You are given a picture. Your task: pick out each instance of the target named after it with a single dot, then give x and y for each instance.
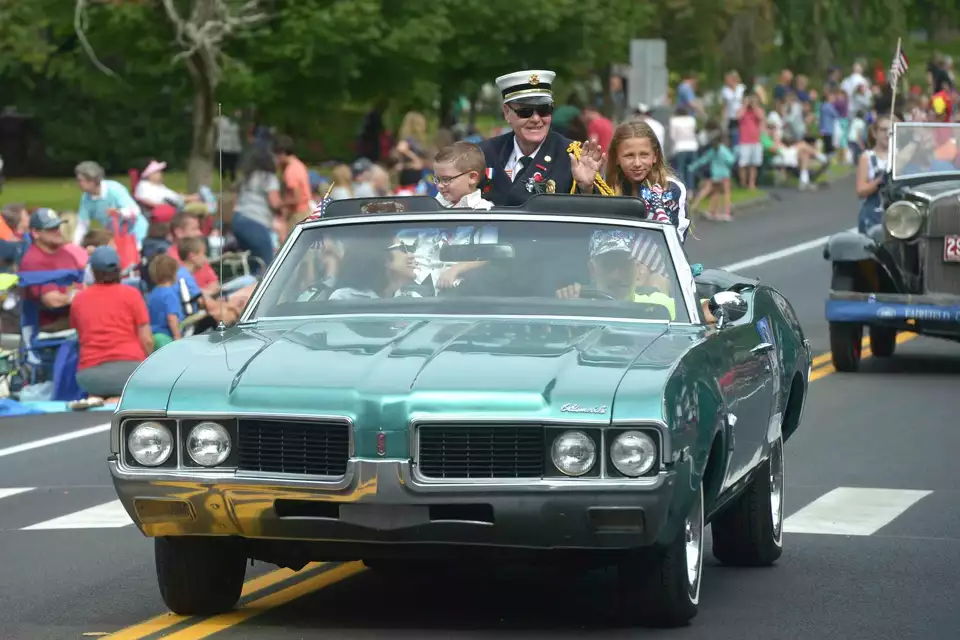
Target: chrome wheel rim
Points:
(776, 489)
(693, 536)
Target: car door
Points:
(744, 374)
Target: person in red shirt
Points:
(599, 128)
(187, 225)
(49, 252)
(113, 328)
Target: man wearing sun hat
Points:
(531, 158)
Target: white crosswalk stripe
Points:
(6, 493)
(843, 511)
(852, 512)
(103, 516)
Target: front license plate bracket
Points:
(384, 517)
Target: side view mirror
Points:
(727, 306)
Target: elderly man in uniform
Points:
(532, 159)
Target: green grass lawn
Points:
(62, 194)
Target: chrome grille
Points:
(473, 451)
(940, 276)
(298, 447)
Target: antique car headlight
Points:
(633, 453)
(903, 220)
(208, 444)
(150, 443)
(574, 453)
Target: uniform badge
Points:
(551, 186)
(534, 79)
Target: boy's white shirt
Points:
(470, 201)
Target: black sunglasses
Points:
(527, 111)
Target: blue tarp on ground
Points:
(9, 408)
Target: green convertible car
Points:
(415, 385)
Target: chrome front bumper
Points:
(383, 502)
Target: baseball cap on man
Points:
(44, 218)
(640, 246)
(105, 258)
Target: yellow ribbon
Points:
(598, 182)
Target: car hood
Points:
(381, 372)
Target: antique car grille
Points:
(300, 447)
(467, 451)
(940, 276)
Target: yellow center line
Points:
(827, 368)
(167, 620)
(209, 626)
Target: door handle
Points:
(763, 347)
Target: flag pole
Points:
(895, 72)
(895, 83)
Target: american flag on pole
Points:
(899, 67)
(321, 207)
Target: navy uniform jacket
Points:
(503, 192)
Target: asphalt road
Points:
(872, 548)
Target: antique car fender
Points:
(850, 246)
(878, 267)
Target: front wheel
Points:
(749, 533)
(661, 587)
(199, 575)
(846, 339)
(846, 346)
(883, 341)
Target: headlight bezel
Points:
(615, 437)
(179, 460)
(216, 427)
(905, 231)
(168, 426)
(595, 455)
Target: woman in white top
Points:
(372, 268)
(152, 193)
(871, 173)
(683, 133)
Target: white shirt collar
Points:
(472, 200)
(103, 191)
(517, 153)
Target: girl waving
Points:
(636, 167)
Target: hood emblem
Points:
(576, 408)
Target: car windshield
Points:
(925, 148)
(477, 267)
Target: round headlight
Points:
(150, 443)
(574, 453)
(633, 453)
(902, 220)
(208, 444)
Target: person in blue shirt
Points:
(163, 301)
(100, 198)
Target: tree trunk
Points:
(200, 164)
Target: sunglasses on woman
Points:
(527, 111)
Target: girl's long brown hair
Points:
(660, 172)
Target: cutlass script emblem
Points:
(576, 408)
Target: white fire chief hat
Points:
(533, 86)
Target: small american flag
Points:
(899, 67)
(321, 208)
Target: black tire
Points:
(199, 575)
(749, 533)
(846, 339)
(655, 589)
(883, 341)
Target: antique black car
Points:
(903, 274)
